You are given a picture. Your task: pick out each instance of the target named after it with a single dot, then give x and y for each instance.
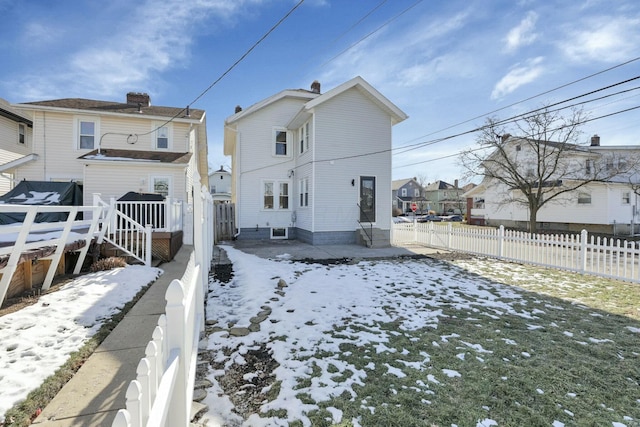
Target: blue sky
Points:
(446, 64)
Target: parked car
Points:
(428, 218)
(454, 218)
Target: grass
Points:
(576, 361)
(22, 414)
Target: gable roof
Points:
(396, 184)
(397, 115)
(12, 114)
(287, 93)
(81, 104)
(438, 185)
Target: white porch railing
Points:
(123, 232)
(30, 235)
(163, 215)
(161, 394)
(614, 258)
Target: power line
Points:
(533, 97)
(482, 148)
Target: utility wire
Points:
(484, 148)
(216, 81)
(532, 97)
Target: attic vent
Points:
(315, 86)
(139, 98)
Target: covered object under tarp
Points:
(41, 193)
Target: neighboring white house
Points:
(220, 185)
(15, 138)
(113, 148)
(609, 206)
(314, 167)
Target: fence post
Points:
(501, 241)
(133, 395)
(583, 251)
(122, 419)
(449, 235)
(178, 411)
(415, 230)
(148, 231)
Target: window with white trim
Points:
(279, 233)
(404, 192)
(303, 186)
(162, 136)
(416, 192)
(626, 197)
(275, 191)
(584, 198)
(161, 185)
(303, 134)
(281, 143)
(86, 134)
(22, 133)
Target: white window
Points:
(303, 133)
(161, 185)
(281, 143)
(284, 196)
(273, 191)
(86, 134)
(22, 136)
(304, 192)
(162, 136)
(626, 197)
(584, 198)
(587, 167)
(404, 192)
(416, 192)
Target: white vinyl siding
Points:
(350, 126)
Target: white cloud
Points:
(152, 37)
(605, 39)
(519, 75)
(523, 34)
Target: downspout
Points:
(238, 179)
(44, 145)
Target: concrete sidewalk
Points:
(298, 251)
(97, 391)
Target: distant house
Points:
(220, 185)
(314, 167)
(16, 130)
(605, 206)
(113, 148)
(444, 198)
(405, 192)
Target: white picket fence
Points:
(614, 258)
(161, 394)
(81, 225)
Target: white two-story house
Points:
(604, 205)
(15, 139)
(314, 166)
(113, 148)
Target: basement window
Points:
(584, 198)
(279, 233)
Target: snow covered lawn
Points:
(37, 340)
(420, 342)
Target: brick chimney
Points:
(315, 86)
(595, 141)
(238, 109)
(139, 98)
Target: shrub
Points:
(108, 264)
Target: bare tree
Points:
(545, 163)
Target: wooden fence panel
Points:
(225, 223)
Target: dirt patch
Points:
(248, 385)
(222, 272)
